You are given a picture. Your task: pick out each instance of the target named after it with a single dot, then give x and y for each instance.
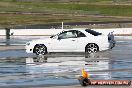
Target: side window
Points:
(62, 35)
(80, 34)
(67, 34)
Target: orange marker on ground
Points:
(84, 73)
(84, 80)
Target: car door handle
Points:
(73, 40)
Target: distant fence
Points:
(46, 32)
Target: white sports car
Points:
(72, 40)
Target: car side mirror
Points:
(59, 38)
(51, 36)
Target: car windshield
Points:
(93, 32)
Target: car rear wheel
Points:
(91, 48)
(40, 49)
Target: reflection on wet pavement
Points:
(19, 68)
(38, 70)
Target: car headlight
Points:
(28, 44)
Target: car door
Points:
(66, 42)
(82, 40)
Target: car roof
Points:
(80, 29)
(85, 30)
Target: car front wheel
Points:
(40, 49)
(91, 48)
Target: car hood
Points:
(40, 41)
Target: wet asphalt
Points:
(17, 68)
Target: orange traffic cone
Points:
(84, 81)
(84, 73)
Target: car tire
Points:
(91, 48)
(40, 49)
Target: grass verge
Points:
(19, 12)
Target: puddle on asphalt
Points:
(43, 70)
